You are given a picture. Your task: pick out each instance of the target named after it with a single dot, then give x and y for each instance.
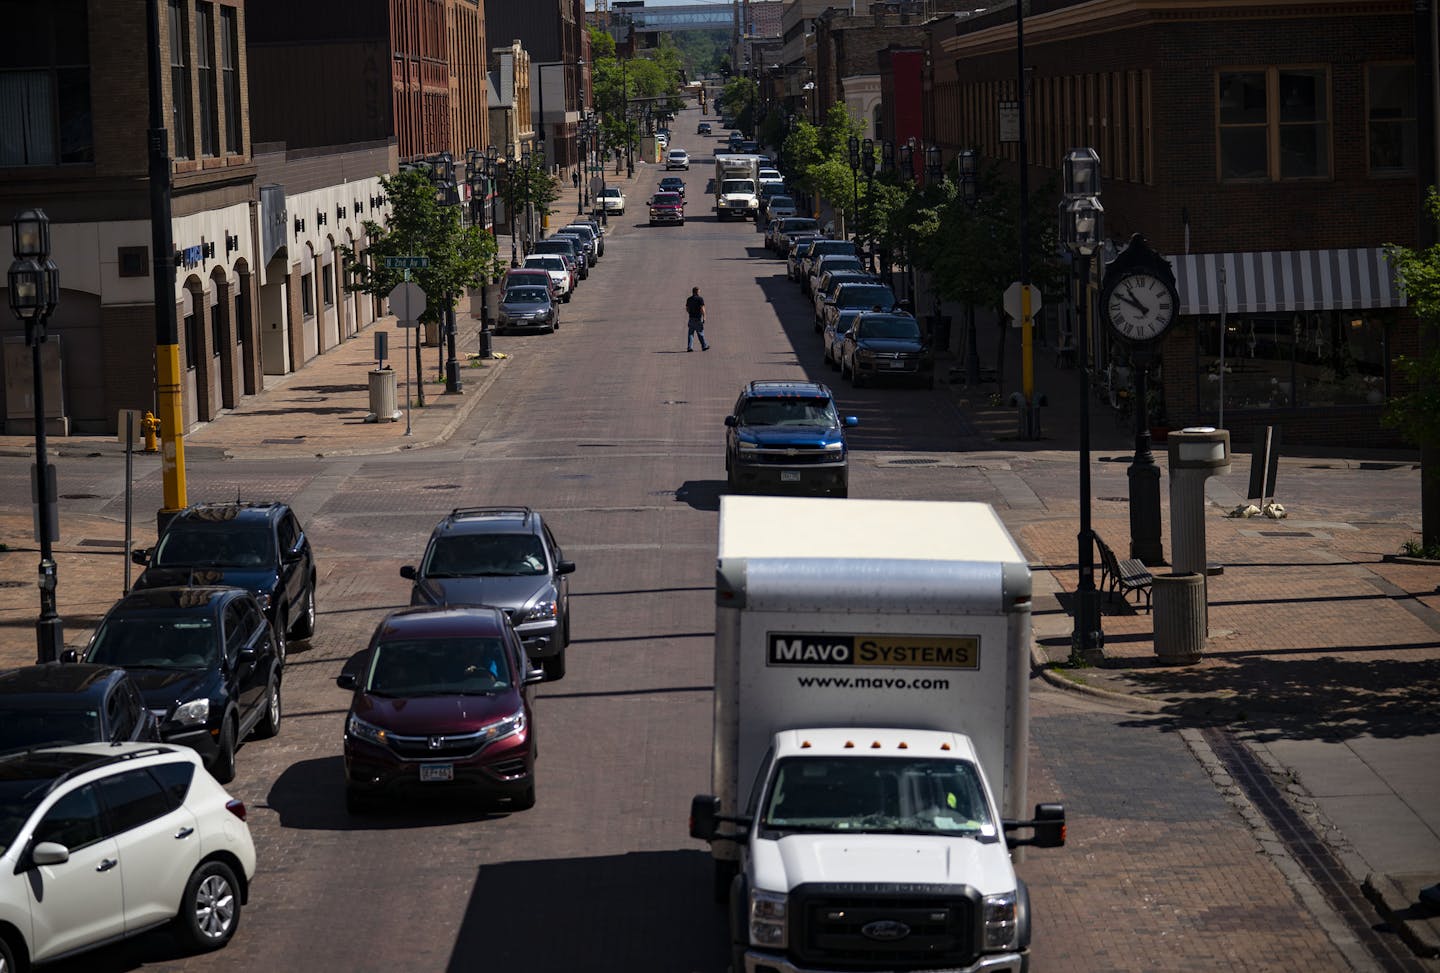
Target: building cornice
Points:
(1107, 16)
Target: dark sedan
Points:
(527, 308)
(54, 704)
(442, 702)
(204, 660)
(886, 346)
(673, 184)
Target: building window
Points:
(192, 338)
(1304, 359)
(216, 337)
(205, 78)
(1390, 117)
(230, 78)
(239, 319)
(181, 134)
(327, 283)
(45, 85)
(307, 295)
(1274, 123)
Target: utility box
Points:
(20, 387)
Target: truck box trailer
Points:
(870, 735)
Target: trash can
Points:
(432, 333)
(1178, 602)
(382, 396)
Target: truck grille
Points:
(792, 456)
(880, 927)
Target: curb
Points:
(1413, 922)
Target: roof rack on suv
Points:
(89, 765)
(524, 512)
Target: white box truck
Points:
(737, 185)
(871, 722)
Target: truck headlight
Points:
(767, 919)
(193, 713)
(1001, 926)
(748, 447)
(834, 447)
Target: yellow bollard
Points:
(151, 427)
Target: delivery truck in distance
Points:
(871, 726)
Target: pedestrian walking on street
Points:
(695, 323)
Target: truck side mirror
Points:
(141, 556)
(704, 816)
(1049, 826)
(69, 656)
(732, 421)
(408, 572)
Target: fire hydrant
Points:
(151, 427)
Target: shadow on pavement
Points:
(310, 796)
(583, 913)
(701, 494)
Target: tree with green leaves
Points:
(460, 257)
(527, 186)
(1415, 412)
(738, 100)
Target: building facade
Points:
(554, 34)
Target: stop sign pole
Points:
(407, 301)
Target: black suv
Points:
(501, 557)
(787, 435)
(205, 661)
(51, 704)
(257, 546)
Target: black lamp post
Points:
(970, 193)
(853, 152)
(867, 165)
(34, 283)
(510, 198)
(524, 171)
(480, 173)
(582, 152)
(907, 179)
(1082, 231)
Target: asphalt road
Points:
(615, 432)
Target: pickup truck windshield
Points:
(738, 186)
(878, 795)
(790, 412)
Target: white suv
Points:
(677, 159)
(100, 842)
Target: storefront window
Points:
(1308, 359)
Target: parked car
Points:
(677, 159)
(50, 705)
(518, 276)
(778, 206)
(885, 346)
(702, 129)
(205, 661)
(560, 272)
(824, 291)
(567, 248)
(591, 234)
(259, 546)
(787, 435)
(799, 248)
(505, 557)
(790, 226)
(822, 249)
(584, 243)
(527, 307)
(860, 295)
(441, 701)
(672, 184)
(103, 841)
(597, 228)
(611, 200)
(770, 177)
(667, 208)
(833, 263)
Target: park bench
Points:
(1127, 575)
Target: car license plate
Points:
(897, 364)
(789, 476)
(429, 772)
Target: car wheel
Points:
(222, 765)
(7, 957)
(304, 626)
(554, 325)
(554, 667)
(269, 724)
(566, 298)
(525, 799)
(210, 909)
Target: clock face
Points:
(1141, 307)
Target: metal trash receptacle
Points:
(382, 396)
(1178, 602)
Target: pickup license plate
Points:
(432, 772)
(789, 476)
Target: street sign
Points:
(1012, 303)
(407, 303)
(1008, 115)
(407, 263)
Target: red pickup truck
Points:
(667, 208)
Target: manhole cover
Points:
(79, 496)
(1285, 533)
(14, 584)
(442, 486)
(914, 462)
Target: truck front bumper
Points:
(756, 962)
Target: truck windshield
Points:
(737, 186)
(878, 794)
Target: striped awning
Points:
(1286, 280)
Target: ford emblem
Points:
(885, 930)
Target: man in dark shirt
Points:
(695, 312)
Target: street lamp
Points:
(934, 164)
(970, 194)
(34, 283)
(1082, 232)
(480, 175)
(853, 153)
(867, 164)
(510, 198)
(906, 168)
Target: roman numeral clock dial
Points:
(1140, 306)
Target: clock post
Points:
(1140, 302)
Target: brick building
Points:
(554, 34)
(1275, 143)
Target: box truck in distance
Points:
(871, 726)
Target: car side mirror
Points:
(49, 853)
(732, 421)
(408, 572)
(852, 421)
(533, 676)
(346, 680)
(565, 567)
(141, 555)
(292, 557)
(69, 656)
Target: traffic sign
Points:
(407, 263)
(1012, 303)
(407, 302)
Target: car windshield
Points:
(786, 202)
(455, 665)
(881, 327)
(666, 199)
(737, 186)
(152, 640)
(865, 295)
(527, 295)
(193, 543)
(548, 263)
(610, 191)
(836, 263)
(27, 727)
(790, 411)
(878, 794)
(826, 247)
(464, 555)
